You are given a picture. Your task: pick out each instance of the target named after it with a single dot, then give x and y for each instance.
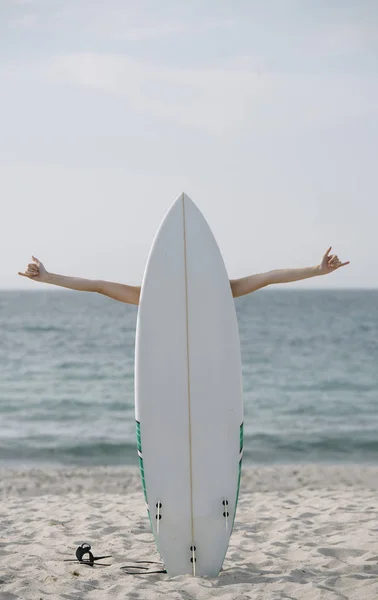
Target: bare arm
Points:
(131, 294)
(118, 291)
(246, 285)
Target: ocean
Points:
(310, 377)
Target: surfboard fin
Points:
(226, 514)
(158, 516)
(193, 559)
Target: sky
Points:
(264, 112)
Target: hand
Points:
(35, 270)
(330, 262)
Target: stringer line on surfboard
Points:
(192, 548)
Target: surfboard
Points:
(188, 394)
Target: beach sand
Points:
(301, 532)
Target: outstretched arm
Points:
(118, 291)
(246, 285)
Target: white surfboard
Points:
(188, 388)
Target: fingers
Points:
(31, 271)
(33, 268)
(332, 260)
(335, 263)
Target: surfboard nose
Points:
(188, 205)
(183, 197)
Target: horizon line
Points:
(57, 290)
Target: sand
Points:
(301, 533)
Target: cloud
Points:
(345, 39)
(211, 99)
(220, 100)
(117, 21)
(169, 28)
(25, 21)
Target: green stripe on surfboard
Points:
(141, 468)
(240, 469)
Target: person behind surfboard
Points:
(130, 294)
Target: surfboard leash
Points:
(143, 570)
(91, 561)
(136, 569)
